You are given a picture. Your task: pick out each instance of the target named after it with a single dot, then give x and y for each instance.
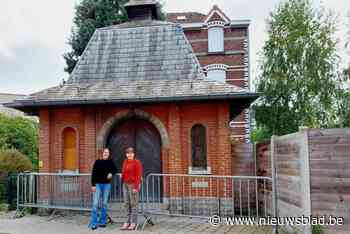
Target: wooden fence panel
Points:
(330, 174)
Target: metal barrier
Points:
(161, 194)
(208, 195)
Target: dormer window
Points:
(216, 37)
(216, 72)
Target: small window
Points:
(69, 150)
(215, 39)
(199, 146)
(218, 75)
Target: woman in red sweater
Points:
(131, 178)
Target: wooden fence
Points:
(312, 171)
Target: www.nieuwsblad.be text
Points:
(280, 221)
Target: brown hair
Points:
(130, 150)
(102, 151)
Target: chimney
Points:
(143, 10)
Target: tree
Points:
(13, 161)
(20, 134)
(89, 15)
(343, 99)
(299, 80)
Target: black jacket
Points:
(100, 171)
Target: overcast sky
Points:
(34, 34)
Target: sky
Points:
(34, 35)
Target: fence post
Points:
(274, 181)
(305, 175)
(9, 190)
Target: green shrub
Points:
(13, 161)
(21, 134)
(317, 229)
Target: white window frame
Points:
(218, 69)
(216, 37)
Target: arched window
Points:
(199, 146)
(216, 72)
(69, 149)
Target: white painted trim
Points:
(240, 23)
(199, 171)
(214, 67)
(192, 25)
(216, 23)
(226, 20)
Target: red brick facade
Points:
(235, 55)
(177, 119)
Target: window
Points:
(218, 75)
(199, 146)
(215, 39)
(69, 150)
(216, 72)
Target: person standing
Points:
(131, 178)
(101, 177)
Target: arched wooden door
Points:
(145, 139)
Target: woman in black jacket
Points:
(101, 177)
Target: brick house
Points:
(141, 84)
(222, 48)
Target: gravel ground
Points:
(77, 224)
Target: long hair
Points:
(100, 154)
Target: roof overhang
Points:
(32, 106)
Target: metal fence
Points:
(208, 195)
(161, 194)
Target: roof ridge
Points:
(117, 26)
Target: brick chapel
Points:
(177, 91)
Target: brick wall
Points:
(177, 119)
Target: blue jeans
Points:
(102, 191)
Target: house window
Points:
(216, 39)
(216, 72)
(199, 146)
(69, 150)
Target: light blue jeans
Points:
(102, 192)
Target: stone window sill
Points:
(199, 171)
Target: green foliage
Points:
(299, 81)
(21, 134)
(317, 229)
(89, 15)
(12, 161)
(260, 134)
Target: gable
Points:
(216, 14)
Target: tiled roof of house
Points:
(133, 62)
(186, 17)
(138, 50)
(136, 90)
(8, 97)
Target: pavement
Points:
(77, 224)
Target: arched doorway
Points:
(144, 138)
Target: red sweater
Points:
(132, 172)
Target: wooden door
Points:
(145, 139)
(69, 150)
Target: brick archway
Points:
(112, 121)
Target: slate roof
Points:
(138, 61)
